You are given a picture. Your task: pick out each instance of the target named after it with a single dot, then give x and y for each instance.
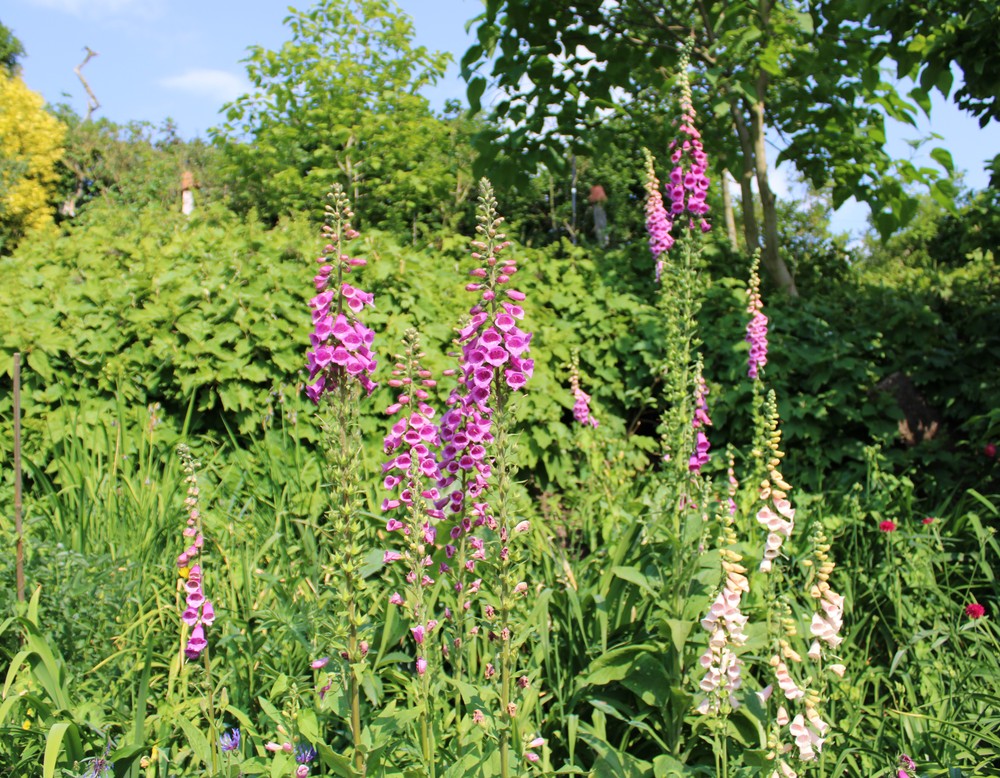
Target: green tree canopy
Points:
(810, 73)
(340, 101)
(11, 50)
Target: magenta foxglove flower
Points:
(581, 404)
(412, 474)
(494, 363)
(701, 420)
(341, 344)
(689, 181)
(757, 326)
(198, 612)
(658, 221)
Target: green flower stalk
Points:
(411, 478)
(777, 515)
(199, 611)
(341, 364)
(478, 449)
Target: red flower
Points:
(928, 520)
(990, 450)
(975, 611)
(887, 526)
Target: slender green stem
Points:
(355, 690)
(213, 739)
(724, 748)
(505, 679)
(427, 728)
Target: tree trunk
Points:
(727, 212)
(773, 262)
(772, 259)
(750, 232)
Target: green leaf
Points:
(61, 730)
(39, 362)
(308, 725)
(196, 741)
(943, 158)
(475, 93)
(612, 666)
(632, 575)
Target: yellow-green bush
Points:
(30, 146)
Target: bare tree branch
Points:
(92, 102)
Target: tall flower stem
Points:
(213, 739)
(412, 475)
(349, 557)
(507, 584)
(340, 365)
(477, 447)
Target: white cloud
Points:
(102, 9)
(220, 85)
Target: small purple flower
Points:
(305, 754)
(230, 741)
(101, 768)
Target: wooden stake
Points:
(17, 478)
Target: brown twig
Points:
(92, 102)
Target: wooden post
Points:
(187, 193)
(17, 478)
(597, 199)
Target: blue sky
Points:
(181, 59)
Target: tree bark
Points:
(775, 265)
(773, 262)
(751, 234)
(727, 212)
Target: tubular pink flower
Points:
(757, 325)
(725, 624)
(777, 515)
(198, 612)
(581, 404)
(701, 419)
(341, 344)
(494, 363)
(689, 182)
(658, 221)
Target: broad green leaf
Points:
(53, 746)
